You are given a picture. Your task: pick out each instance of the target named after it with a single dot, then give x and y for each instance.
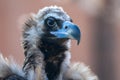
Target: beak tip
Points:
(78, 42)
(78, 38)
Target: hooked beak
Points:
(68, 30)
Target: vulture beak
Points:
(68, 30)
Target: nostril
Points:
(66, 27)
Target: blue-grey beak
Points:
(68, 30)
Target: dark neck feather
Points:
(53, 51)
(52, 48)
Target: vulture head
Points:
(54, 24)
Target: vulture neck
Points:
(54, 55)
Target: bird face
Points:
(58, 25)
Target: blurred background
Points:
(99, 21)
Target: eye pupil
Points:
(51, 22)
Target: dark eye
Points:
(51, 22)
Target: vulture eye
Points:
(51, 22)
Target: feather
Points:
(79, 71)
(10, 68)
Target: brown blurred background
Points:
(99, 21)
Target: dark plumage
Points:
(54, 56)
(46, 43)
